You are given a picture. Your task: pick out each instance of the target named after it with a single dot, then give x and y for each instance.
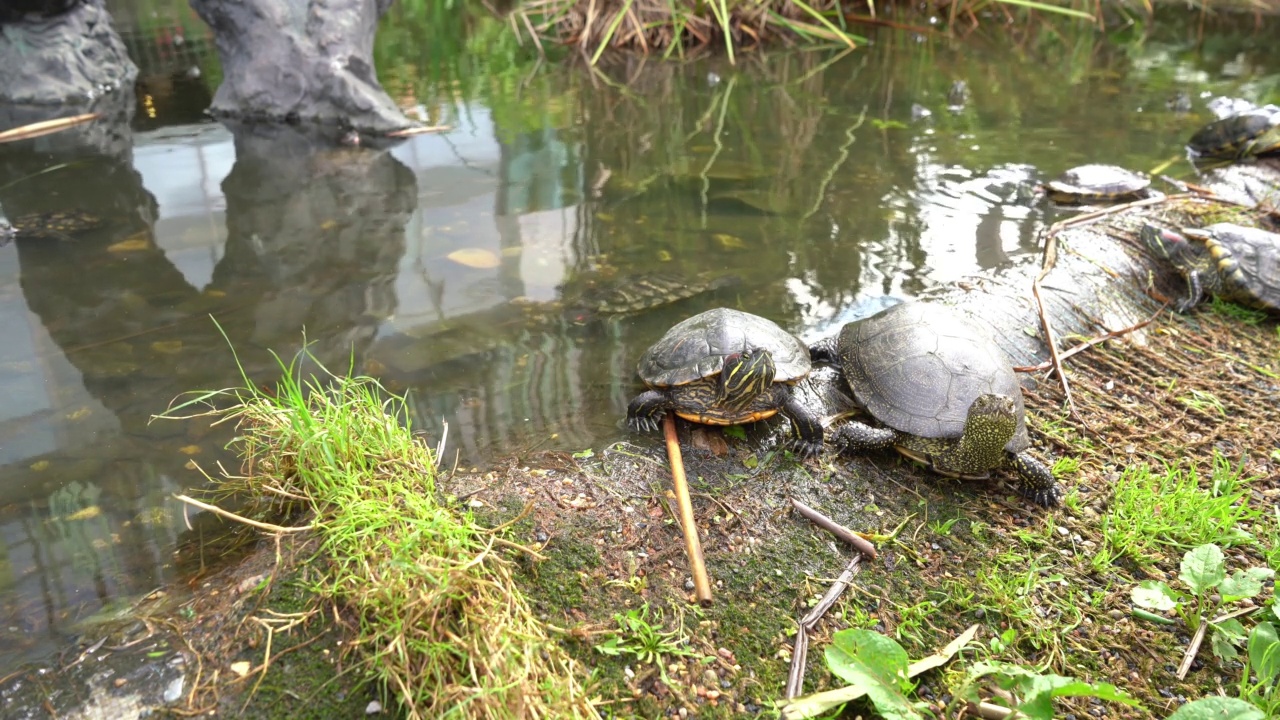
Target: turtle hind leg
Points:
(855, 435)
(824, 351)
(1035, 481)
(808, 423)
(646, 410)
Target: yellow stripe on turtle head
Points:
(745, 376)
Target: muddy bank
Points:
(1197, 390)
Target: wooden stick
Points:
(45, 127)
(692, 546)
(832, 527)
(1192, 649)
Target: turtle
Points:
(940, 392)
(1234, 262)
(726, 367)
(637, 293)
(1235, 137)
(1098, 183)
(53, 225)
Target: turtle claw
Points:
(1045, 497)
(806, 449)
(643, 423)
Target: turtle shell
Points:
(56, 223)
(1248, 257)
(917, 367)
(1101, 181)
(1238, 135)
(695, 348)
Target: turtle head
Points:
(992, 421)
(745, 376)
(1166, 244)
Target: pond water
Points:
(478, 268)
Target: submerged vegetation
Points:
(438, 620)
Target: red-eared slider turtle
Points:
(53, 225)
(1234, 262)
(1253, 132)
(725, 367)
(941, 392)
(1098, 184)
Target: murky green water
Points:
(467, 267)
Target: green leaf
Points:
(877, 664)
(735, 431)
(584, 454)
(1244, 584)
(1232, 629)
(1264, 652)
(1042, 689)
(1223, 649)
(1218, 708)
(1202, 568)
(1039, 690)
(1154, 595)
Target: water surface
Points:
(462, 267)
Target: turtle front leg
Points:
(646, 410)
(1195, 293)
(855, 435)
(807, 422)
(1035, 481)
(824, 351)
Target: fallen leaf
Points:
(475, 258)
(130, 245)
(190, 450)
(730, 242)
(40, 465)
(92, 511)
(167, 347)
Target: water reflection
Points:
(467, 268)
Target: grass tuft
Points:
(441, 623)
(1169, 509)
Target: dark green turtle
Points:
(1098, 184)
(1253, 132)
(725, 367)
(941, 392)
(1234, 262)
(52, 225)
(636, 293)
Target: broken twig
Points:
(834, 528)
(698, 566)
(1098, 340)
(799, 654)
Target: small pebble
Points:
(688, 584)
(373, 708)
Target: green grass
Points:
(1154, 510)
(442, 625)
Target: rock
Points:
(62, 58)
(300, 60)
